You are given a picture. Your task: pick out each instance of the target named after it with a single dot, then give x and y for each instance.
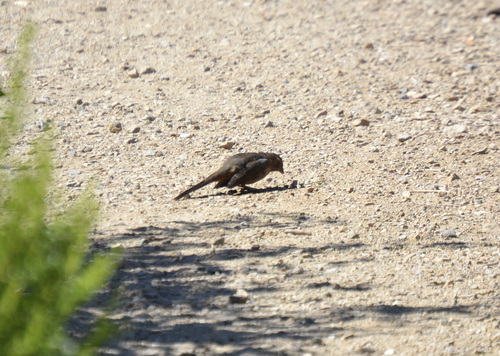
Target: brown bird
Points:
(240, 170)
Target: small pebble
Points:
(404, 137)
(482, 151)
(240, 297)
(262, 114)
(101, 9)
(352, 235)
(361, 122)
(133, 73)
(255, 247)
(318, 341)
(136, 129)
(455, 130)
(115, 127)
(471, 66)
(43, 124)
(219, 242)
(227, 145)
(448, 233)
(452, 177)
(321, 113)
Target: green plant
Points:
(45, 268)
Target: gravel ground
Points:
(386, 114)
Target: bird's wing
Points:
(252, 172)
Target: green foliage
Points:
(45, 272)
(11, 119)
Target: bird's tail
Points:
(193, 188)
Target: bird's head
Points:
(276, 163)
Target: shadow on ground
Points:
(166, 292)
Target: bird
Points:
(239, 170)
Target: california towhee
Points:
(240, 170)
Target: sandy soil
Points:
(386, 114)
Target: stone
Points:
(471, 66)
(255, 247)
(227, 145)
(240, 297)
(321, 113)
(361, 122)
(219, 242)
(133, 73)
(455, 130)
(482, 151)
(352, 235)
(262, 114)
(404, 137)
(149, 118)
(416, 95)
(115, 127)
(448, 233)
(452, 177)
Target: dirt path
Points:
(386, 114)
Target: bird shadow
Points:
(246, 191)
